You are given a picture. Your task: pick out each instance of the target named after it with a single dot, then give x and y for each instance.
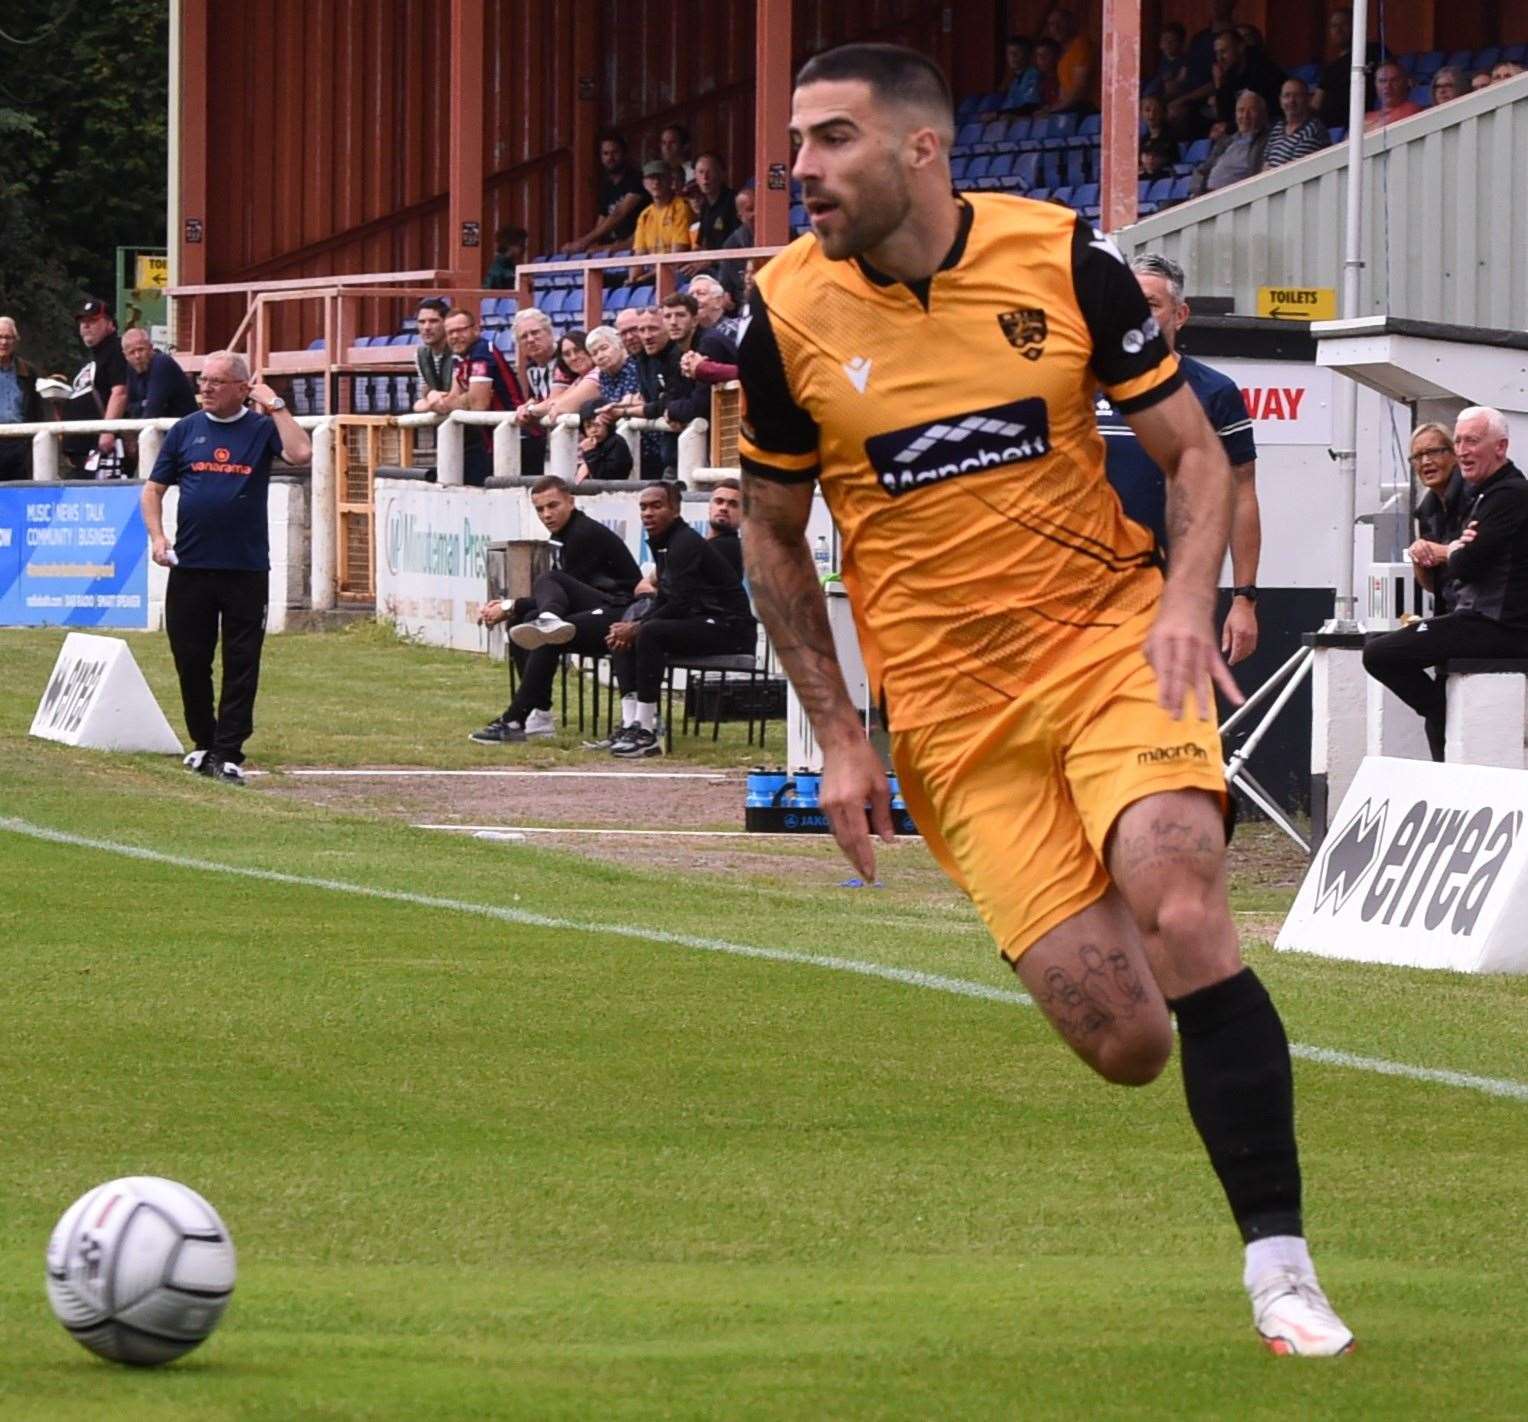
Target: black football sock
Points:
(1240, 1089)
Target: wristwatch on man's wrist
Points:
(277, 404)
(1246, 590)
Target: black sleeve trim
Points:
(774, 421)
(755, 470)
(1154, 396)
(1114, 309)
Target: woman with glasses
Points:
(1440, 515)
(1448, 83)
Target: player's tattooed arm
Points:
(783, 580)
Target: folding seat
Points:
(968, 135)
(1428, 64)
(1160, 192)
(1026, 168)
(1197, 151)
(1002, 166)
(1485, 58)
(1182, 188)
(958, 168)
(1076, 165)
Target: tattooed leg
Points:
(1090, 977)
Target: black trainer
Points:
(615, 738)
(498, 733)
(639, 746)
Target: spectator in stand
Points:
(659, 450)
(536, 344)
(602, 453)
(620, 200)
(1238, 69)
(1154, 128)
(674, 151)
(1503, 70)
(481, 380)
(157, 387)
(1171, 77)
(724, 522)
(713, 308)
(1448, 83)
(571, 608)
(1236, 155)
(664, 225)
(436, 363)
(1021, 86)
(1486, 573)
(1157, 158)
(574, 362)
(20, 403)
(1331, 97)
(509, 247)
(615, 368)
(1075, 69)
(1301, 131)
(684, 398)
(1186, 111)
(1393, 86)
(1047, 58)
(1441, 513)
(700, 610)
(742, 234)
(718, 214)
(626, 328)
(100, 388)
(1480, 81)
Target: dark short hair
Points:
(438, 304)
(1175, 27)
(714, 156)
(727, 484)
(548, 482)
(510, 236)
(1024, 40)
(1047, 43)
(612, 135)
(684, 299)
(894, 73)
(679, 128)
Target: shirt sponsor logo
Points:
(1157, 755)
(1134, 341)
(1025, 330)
(909, 459)
(1441, 863)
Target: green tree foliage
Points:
(83, 156)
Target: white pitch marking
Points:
(908, 977)
(646, 833)
(710, 775)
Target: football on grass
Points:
(140, 1269)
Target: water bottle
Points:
(822, 557)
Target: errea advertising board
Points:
(1426, 866)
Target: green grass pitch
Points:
(478, 1168)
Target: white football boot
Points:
(1293, 1317)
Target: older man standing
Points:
(220, 566)
(19, 402)
(1486, 569)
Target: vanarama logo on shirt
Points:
(222, 463)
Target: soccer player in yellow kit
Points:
(932, 360)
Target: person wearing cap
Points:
(100, 386)
(20, 404)
(664, 225)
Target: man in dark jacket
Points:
(700, 610)
(682, 398)
(571, 608)
(156, 385)
(1442, 510)
(1487, 568)
(20, 403)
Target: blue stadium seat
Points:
(1428, 64)
(618, 299)
(641, 296)
(1016, 135)
(1026, 168)
(1338, 135)
(1181, 188)
(504, 341)
(968, 108)
(958, 168)
(1077, 165)
(1197, 151)
(1421, 95)
(1039, 194)
(1308, 72)
(968, 134)
(1061, 195)
(1050, 167)
(1461, 58)
(991, 135)
(488, 306)
(1002, 166)
(798, 217)
(405, 338)
(1485, 58)
(978, 169)
(1517, 53)
(1092, 126)
(1085, 195)
(1160, 192)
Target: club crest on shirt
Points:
(221, 455)
(1026, 330)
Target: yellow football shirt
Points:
(951, 425)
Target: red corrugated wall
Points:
(328, 119)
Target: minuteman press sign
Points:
(1426, 866)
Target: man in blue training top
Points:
(220, 566)
(1139, 482)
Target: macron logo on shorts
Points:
(1157, 754)
(965, 443)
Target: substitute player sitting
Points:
(932, 359)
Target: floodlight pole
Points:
(1346, 453)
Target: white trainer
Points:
(194, 760)
(540, 723)
(1294, 1318)
(546, 630)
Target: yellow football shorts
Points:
(1016, 802)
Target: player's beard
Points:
(881, 206)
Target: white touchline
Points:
(710, 775)
(909, 977)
